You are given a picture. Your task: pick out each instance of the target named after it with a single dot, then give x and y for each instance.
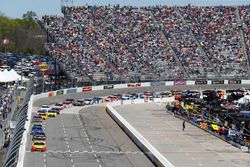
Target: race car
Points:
(39, 137)
(127, 97)
(38, 145)
(71, 100)
(89, 101)
(57, 110)
(111, 98)
(67, 104)
(37, 129)
(98, 100)
(44, 108)
(79, 102)
(37, 121)
(52, 113)
(59, 106)
(44, 115)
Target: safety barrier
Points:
(154, 155)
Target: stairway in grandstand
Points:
(171, 48)
(205, 54)
(243, 48)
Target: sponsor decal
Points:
(217, 81)
(50, 94)
(234, 81)
(200, 82)
(68, 91)
(134, 85)
(161, 83)
(108, 87)
(59, 92)
(179, 82)
(86, 88)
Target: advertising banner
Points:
(234, 81)
(134, 85)
(68, 91)
(179, 83)
(160, 83)
(50, 94)
(108, 87)
(86, 88)
(200, 82)
(217, 82)
(59, 92)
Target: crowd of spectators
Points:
(130, 43)
(6, 100)
(245, 17)
(216, 29)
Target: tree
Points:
(29, 19)
(30, 16)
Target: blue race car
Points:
(37, 129)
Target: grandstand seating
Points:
(150, 43)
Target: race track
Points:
(88, 139)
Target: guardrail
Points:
(16, 158)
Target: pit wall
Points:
(87, 89)
(153, 154)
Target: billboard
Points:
(108, 86)
(234, 81)
(68, 91)
(217, 81)
(86, 88)
(59, 92)
(131, 85)
(200, 82)
(179, 83)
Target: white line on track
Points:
(86, 135)
(44, 159)
(66, 141)
(91, 152)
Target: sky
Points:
(16, 8)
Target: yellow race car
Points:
(52, 113)
(44, 115)
(38, 145)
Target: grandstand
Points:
(125, 43)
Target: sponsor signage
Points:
(59, 92)
(50, 94)
(161, 83)
(234, 81)
(108, 87)
(200, 82)
(179, 82)
(68, 91)
(217, 81)
(134, 85)
(86, 88)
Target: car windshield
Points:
(39, 143)
(45, 106)
(58, 104)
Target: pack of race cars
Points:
(46, 111)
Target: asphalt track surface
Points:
(89, 138)
(92, 138)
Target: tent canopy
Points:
(9, 76)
